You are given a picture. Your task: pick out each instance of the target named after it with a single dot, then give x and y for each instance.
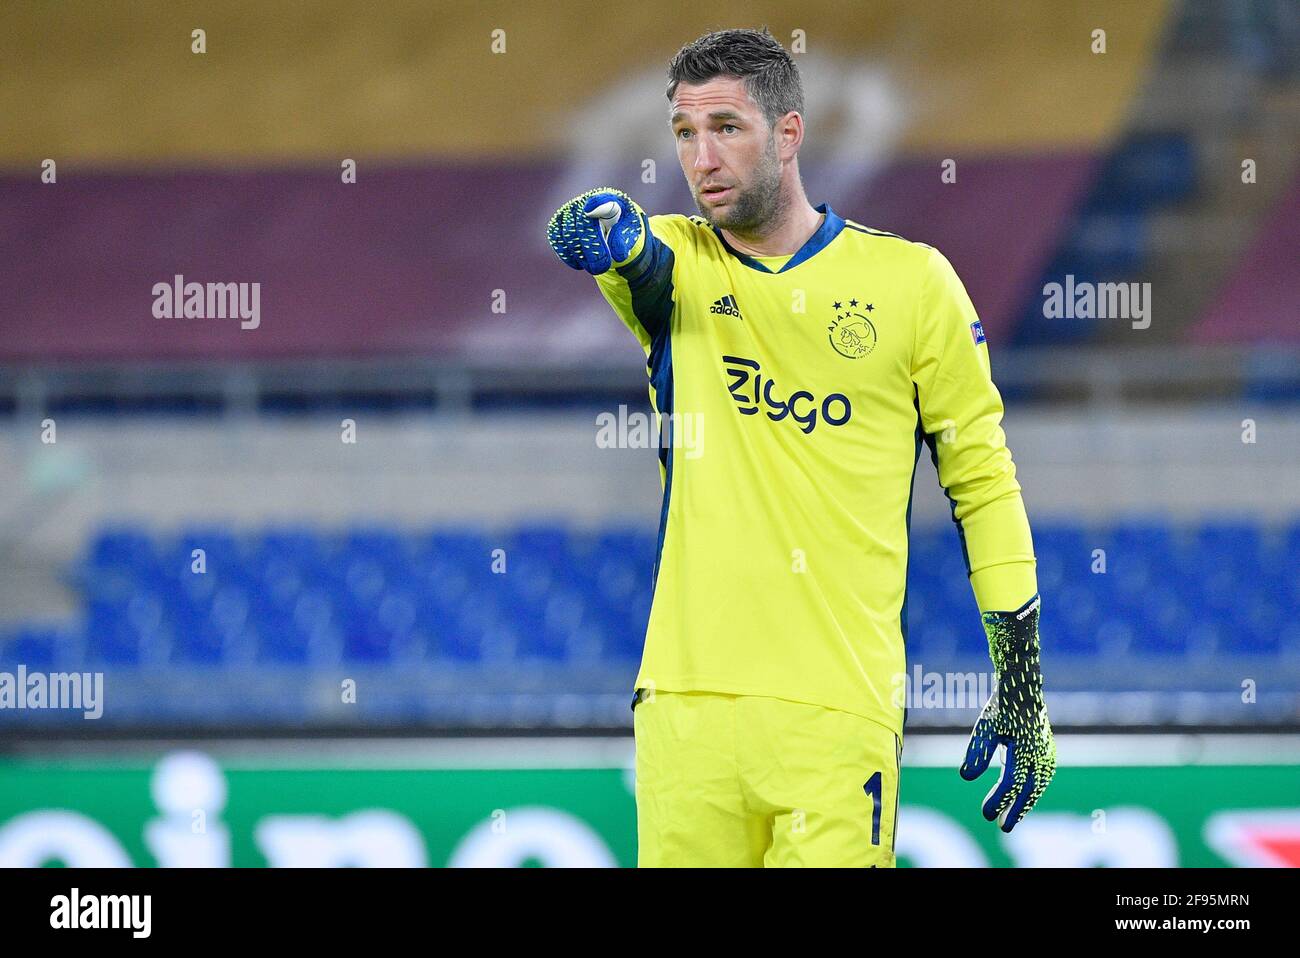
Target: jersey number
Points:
(872, 788)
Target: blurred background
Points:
(278, 540)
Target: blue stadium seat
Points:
(1108, 244)
(1234, 547)
(1146, 171)
(41, 647)
(1109, 240)
(126, 547)
(382, 597)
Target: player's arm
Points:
(961, 414)
(605, 233)
(961, 419)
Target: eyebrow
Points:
(715, 115)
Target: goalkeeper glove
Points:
(1014, 719)
(600, 228)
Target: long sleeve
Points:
(960, 414)
(641, 289)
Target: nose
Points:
(706, 160)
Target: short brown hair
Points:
(754, 56)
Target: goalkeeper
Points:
(823, 354)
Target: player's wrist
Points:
(1014, 648)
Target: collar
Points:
(830, 228)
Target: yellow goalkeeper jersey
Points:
(796, 394)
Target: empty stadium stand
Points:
(1139, 606)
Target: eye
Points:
(730, 126)
(682, 133)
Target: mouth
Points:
(716, 194)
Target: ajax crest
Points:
(852, 334)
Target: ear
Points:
(789, 134)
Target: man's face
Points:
(728, 154)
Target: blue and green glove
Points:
(1014, 719)
(599, 229)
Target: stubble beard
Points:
(755, 207)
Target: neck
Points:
(784, 234)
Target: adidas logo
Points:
(726, 306)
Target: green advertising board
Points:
(1116, 801)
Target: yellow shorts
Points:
(737, 781)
